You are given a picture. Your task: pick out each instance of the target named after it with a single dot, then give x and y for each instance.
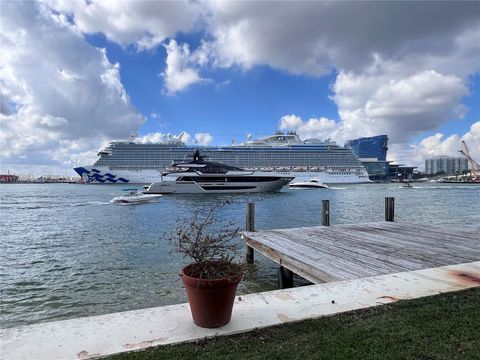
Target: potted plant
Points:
(211, 279)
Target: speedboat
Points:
(134, 197)
(407, 185)
(310, 184)
(203, 177)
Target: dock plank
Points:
(346, 252)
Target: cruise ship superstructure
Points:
(129, 161)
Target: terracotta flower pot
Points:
(211, 301)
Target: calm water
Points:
(67, 252)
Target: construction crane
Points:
(474, 167)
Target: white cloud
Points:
(320, 128)
(308, 37)
(371, 105)
(185, 137)
(159, 137)
(203, 138)
(400, 105)
(315, 37)
(435, 145)
(198, 138)
(154, 137)
(290, 122)
(146, 24)
(412, 56)
(179, 73)
(58, 90)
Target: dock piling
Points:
(285, 278)
(325, 212)
(389, 208)
(250, 226)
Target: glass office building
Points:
(377, 170)
(370, 147)
(372, 153)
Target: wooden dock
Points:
(345, 252)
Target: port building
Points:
(8, 178)
(372, 153)
(446, 165)
(370, 147)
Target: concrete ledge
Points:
(103, 335)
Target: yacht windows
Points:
(213, 179)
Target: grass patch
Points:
(445, 326)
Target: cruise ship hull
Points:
(101, 175)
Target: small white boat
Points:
(134, 197)
(310, 184)
(407, 185)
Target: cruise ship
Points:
(130, 161)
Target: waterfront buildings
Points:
(370, 147)
(400, 171)
(372, 153)
(8, 178)
(446, 165)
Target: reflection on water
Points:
(66, 251)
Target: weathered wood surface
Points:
(345, 252)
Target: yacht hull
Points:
(205, 187)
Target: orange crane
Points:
(474, 167)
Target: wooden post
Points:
(325, 212)
(250, 226)
(285, 278)
(389, 208)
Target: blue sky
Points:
(79, 74)
(232, 105)
(237, 102)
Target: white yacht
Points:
(204, 177)
(309, 184)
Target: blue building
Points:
(374, 147)
(372, 152)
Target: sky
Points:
(77, 74)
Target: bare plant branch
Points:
(212, 249)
